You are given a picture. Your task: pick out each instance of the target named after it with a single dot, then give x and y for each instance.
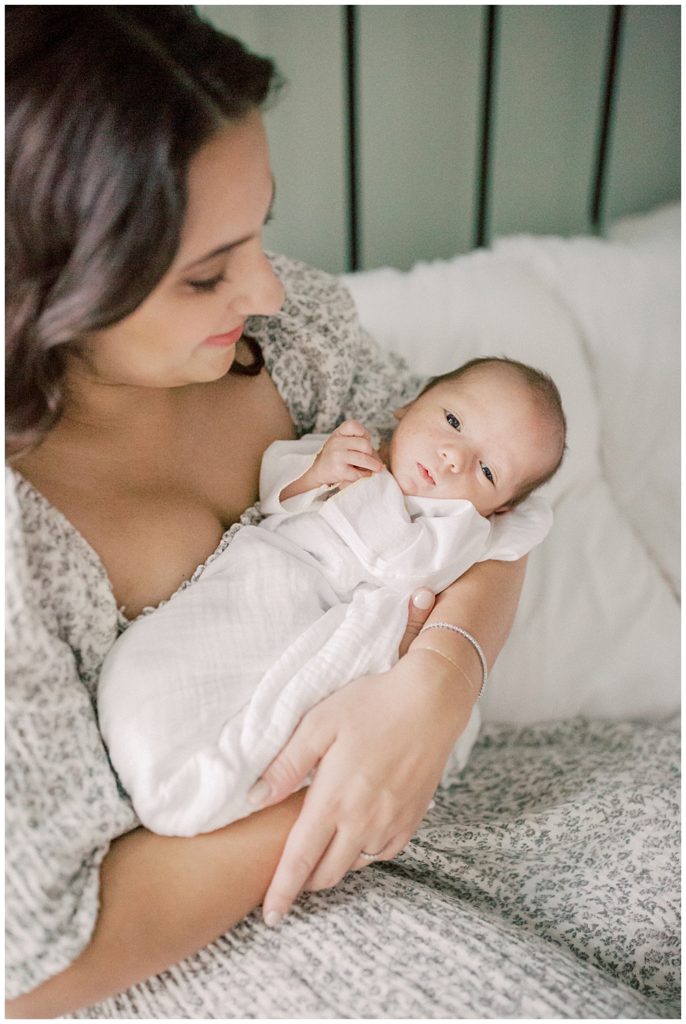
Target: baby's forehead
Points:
(486, 378)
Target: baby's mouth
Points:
(426, 475)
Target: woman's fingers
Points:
(387, 852)
(290, 768)
(308, 840)
(349, 853)
(342, 852)
(420, 608)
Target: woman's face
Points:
(186, 330)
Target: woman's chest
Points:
(157, 507)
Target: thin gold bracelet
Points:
(452, 662)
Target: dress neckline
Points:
(249, 517)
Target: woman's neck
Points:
(108, 408)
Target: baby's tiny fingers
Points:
(354, 472)
(352, 428)
(360, 460)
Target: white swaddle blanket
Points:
(198, 697)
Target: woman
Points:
(141, 311)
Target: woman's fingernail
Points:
(259, 793)
(423, 599)
(272, 918)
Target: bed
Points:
(545, 881)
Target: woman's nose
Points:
(262, 293)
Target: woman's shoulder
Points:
(323, 362)
(307, 288)
(310, 346)
(317, 310)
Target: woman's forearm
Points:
(161, 899)
(484, 602)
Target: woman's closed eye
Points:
(208, 284)
(454, 422)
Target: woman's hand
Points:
(380, 746)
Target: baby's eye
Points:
(208, 285)
(486, 472)
(453, 421)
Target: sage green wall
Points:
(420, 94)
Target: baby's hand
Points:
(347, 456)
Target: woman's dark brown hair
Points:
(106, 105)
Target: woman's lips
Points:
(224, 340)
(426, 475)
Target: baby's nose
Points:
(456, 458)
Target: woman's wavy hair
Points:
(106, 106)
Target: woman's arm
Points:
(164, 898)
(484, 602)
(161, 899)
(380, 745)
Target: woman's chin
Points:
(215, 364)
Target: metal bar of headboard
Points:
(607, 111)
(488, 75)
(484, 174)
(350, 14)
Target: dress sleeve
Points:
(326, 366)
(381, 383)
(58, 781)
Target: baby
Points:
(196, 699)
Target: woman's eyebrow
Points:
(231, 245)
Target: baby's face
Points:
(481, 438)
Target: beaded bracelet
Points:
(473, 641)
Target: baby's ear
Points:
(399, 413)
(502, 509)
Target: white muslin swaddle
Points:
(196, 698)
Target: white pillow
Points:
(597, 627)
(625, 300)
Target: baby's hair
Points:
(545, 392)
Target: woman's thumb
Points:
(419, 610)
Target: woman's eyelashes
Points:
(209, 284)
